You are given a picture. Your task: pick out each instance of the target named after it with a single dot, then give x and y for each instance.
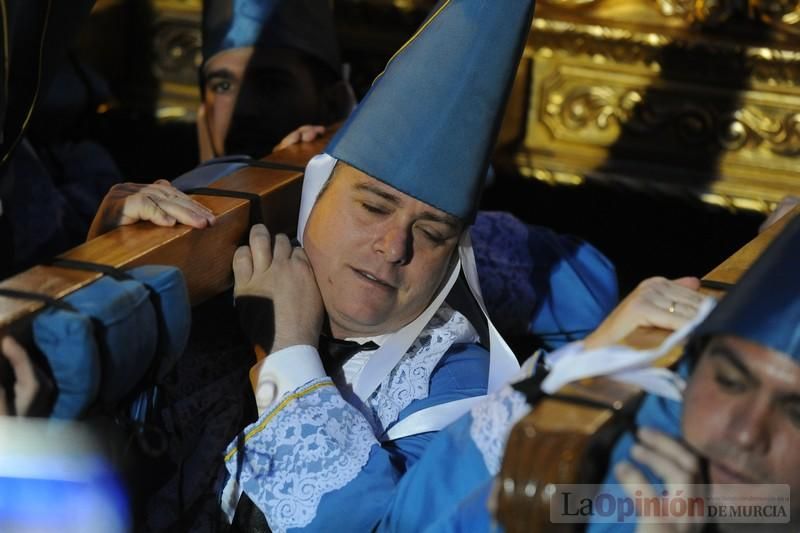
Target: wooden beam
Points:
(204, 256)
(732, 269)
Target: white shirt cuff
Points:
(284, 371)
(230, 498)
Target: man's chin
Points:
(359, 323)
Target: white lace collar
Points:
(410, 378)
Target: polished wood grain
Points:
(731, 270)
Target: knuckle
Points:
(655, 281)
(638, 305)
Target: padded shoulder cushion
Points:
(121, 330)
(125, 331)
(170, 299)
(67, 340)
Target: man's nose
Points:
(750, 425)
(394, 244)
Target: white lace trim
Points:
(492, 421)
(316, 444)
(410, 379)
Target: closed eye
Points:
(374, 209)
(729, 383)
(433, 237)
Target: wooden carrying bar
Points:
(204, 256)
(562, 442)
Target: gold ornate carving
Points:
(177, 47)
(719, 61)
(634, 91)
(778, 132)
(176, 56)
(783, 14)
(709, 12)
(671, 116)
(194, 6)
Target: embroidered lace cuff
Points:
(310, 444)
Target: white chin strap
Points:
(503, 365)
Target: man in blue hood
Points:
(383, 225)
(272, 65)
(269, 67)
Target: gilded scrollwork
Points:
(752, 127)
(177, 50)
(718, 62)
(779, 13)
(707, 12)
(598, 113)
(181, 5)
(654, 87)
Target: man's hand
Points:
(656, 302)
(26, 386)
(159, 202)
(283, 275)
(304, 134)
(677, 466)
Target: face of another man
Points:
(742, 413)
(251, 103)
(378, 254)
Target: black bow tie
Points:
(337, 351)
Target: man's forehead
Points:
(762, 362)
(358, 180)
(232, 61)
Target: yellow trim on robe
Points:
(274, 413)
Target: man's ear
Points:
(204, 143)
(338, 101)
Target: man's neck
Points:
(342, 333)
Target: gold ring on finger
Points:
(671, 307)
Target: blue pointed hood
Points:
(305, 25)
(428, 125)
(764, 306)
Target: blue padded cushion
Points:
(170, 300)
(125, 331)
(106, 348)
(67, 341)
